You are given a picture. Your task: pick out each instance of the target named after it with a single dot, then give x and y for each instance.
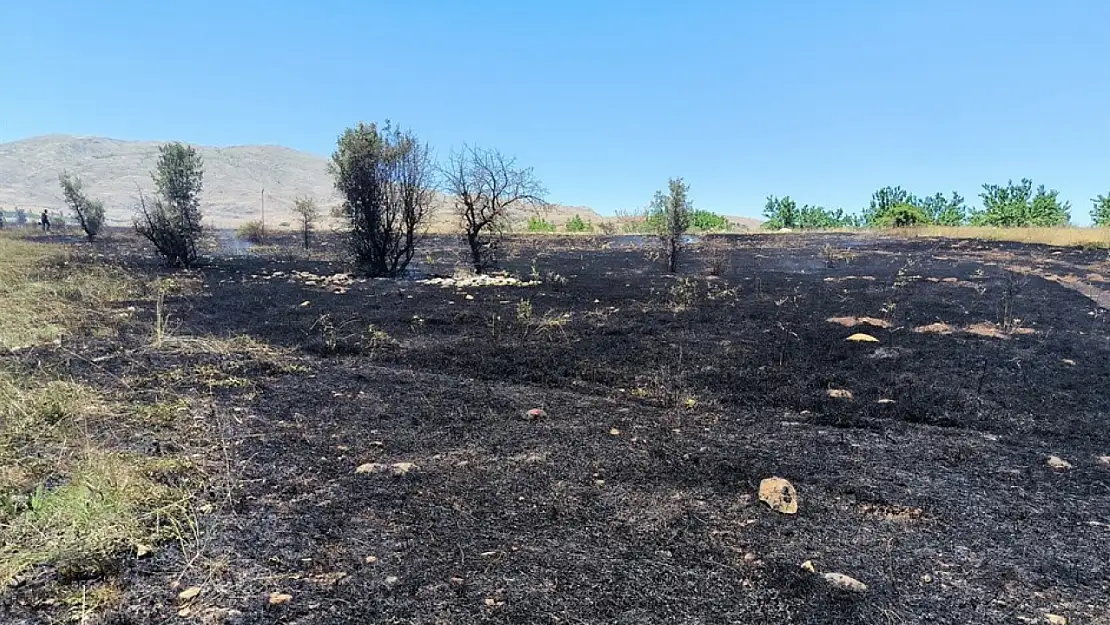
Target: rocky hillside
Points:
(234, 178)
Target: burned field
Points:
(585, 443)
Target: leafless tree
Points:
(487, 189)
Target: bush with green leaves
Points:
(172, 219)
(539, 224)
(706, 221)
(780, 213)
(1100, 211)
(944, 211)
(386, 177)
(669, 216)
(88, 212)
(252, 232)
(902, 216)
(577, 224)
(784, 213)
(1017, 205)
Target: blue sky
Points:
(822, 101)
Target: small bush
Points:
(252, 232)
(607, 228)
(576, 224)
(903, 216)
(89, 212)
(539, 224)
(706, 221)
(1100, 212)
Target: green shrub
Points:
(903, 216)
(576, 224)
(705, 221)
(1100, 212)
(539, 224)
(251, 232)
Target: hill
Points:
(234, 177)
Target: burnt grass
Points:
(667, 400)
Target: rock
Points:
(1056, 619)
(885, 401)
(278, 598)
(1104, 460)
(839, 393)
(305, 303)
(189, 593)
(371, 559)
(535, 413)
(142, 551)
(402, 468)
(844, 582)
(860, 337)
(779, 494)
(1068, 361)
(1056, 462)
(614, 432)
(370, 467)
(392, 580)
(808, 567)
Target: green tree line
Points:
(1015, 204)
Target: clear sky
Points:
(823, 101)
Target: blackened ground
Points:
(667, 400)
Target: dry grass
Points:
(64, 500)
(1067, 236)
(68, 499)
(44, 296)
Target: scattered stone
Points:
(457, 581)
(850, 322)
(1056, 462)
(934, 328)
(469, 296)
(839, 393)
(859, 337)
(490, 602)
(184, 612)
(1068, 361)
(536, 413)
(142, 551)
(885, 401)
(1104, 460)
(278, 598)
(1056, 619)
(305, 303)
(927, 579)
(371, 559)
(614, 432)
(779, 494)
(370, 467)
(808, 567)
(189, 593)
(392, 580)
(478, 281)
(844, 582)
(402, 468)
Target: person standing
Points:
(45, 221)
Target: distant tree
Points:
(780, 213)
(172, 220)
(307, 215)
(577, 224)
(539, 224)
(944, 211)
(883, 202)
(487, 188)
(88, 212)
(21, 217)
(1100, 212)
(386, 178)
(671, 211)
(706, 221)
(1016, 205)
